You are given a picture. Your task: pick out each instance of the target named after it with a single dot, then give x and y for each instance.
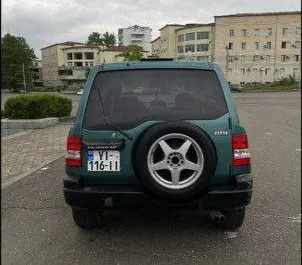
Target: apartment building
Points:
(135, 35)
(195, 42)
(37, 72)
(255, 48)
(66, 64)
(165, 45)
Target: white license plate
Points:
(103, 160)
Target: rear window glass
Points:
(131, 97)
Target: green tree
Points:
(135, 54)
(15, 52)
(94, 37)
(108, 39)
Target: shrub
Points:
(37, 106)
(3, 114)
(290, 80)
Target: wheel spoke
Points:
(165, 147)
(184, 148)
(159, 165)
(175, 176)
(191, 166)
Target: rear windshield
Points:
(131, 97)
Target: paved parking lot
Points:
(37, 226)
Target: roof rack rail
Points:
(156, 59)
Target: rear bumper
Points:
(216, 197)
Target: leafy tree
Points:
(15, 52)
(94, 37)
(108, 39)
(135, 54)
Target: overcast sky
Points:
(44, 23)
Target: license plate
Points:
(103, 160)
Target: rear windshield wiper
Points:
(108, 123)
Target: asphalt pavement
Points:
(37, 226)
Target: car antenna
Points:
(105, 118)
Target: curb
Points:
(276, 90)
(9, 182)
(16, 135)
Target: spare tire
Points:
(174, 161)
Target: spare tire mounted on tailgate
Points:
(174, 161)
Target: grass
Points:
(274, 87)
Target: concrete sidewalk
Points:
(26, 152)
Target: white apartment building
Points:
(258, 48)
(135, 35)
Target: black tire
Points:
(233, 219)
(160, 192)
(86, 218)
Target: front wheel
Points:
(86, 218)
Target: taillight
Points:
(73, 153)
(241, 154)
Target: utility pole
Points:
(24, 82)
(227, 62)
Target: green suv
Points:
(162, 128)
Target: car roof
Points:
(155, 64)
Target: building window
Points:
(180, 38)
(256, 58)
(78, 56)
(296, 58)
(203, 35)
(282, 71)
(283, 45)
(78, 64)
(190, 48)
(180, 49)
(284, 31)
(242, 71)
(268, 45)
(202, 47)
(243, 45)
(91, 64)
(86, 63)
(267, 71)
(256, 45)
(298, 31)
(69, 63)
(231, 32)
(283, 58)
(269, 32)
(256, 32)
(243, 32)
(298, 44)
(268, 58)
(231, 45)
(89, 55)
(242, 58)
(230, 59)
(69, 56)
(190, 36)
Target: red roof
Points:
(66, 43)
